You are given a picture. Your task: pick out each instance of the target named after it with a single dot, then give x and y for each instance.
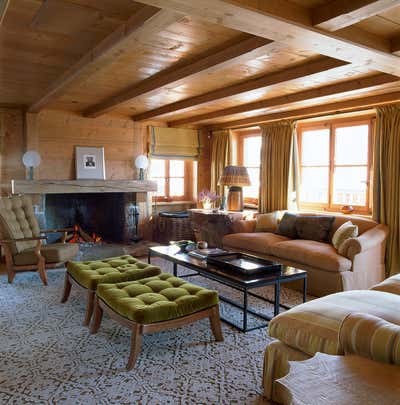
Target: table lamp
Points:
(235, 177)
(31, 159)
(141, 163)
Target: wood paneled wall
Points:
(11, 148)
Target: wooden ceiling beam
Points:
(176, 73)
(142, 24)
(332, 89)
(395, 43)
(3, 9)
(319, 65)
(339, 14)
(263, 20)
(357, 104)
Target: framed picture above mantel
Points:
(89, 163)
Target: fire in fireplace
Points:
(81, 236)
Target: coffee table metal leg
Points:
(149, 257)
(245, 310)
(175, 270)
(277, 297)
(305, 289)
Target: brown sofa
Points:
(362, 266)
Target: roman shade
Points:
(174, 143)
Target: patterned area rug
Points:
(48, 357)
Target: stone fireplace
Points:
(105, 208)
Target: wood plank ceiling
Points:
(219, 63)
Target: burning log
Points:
(79, 235)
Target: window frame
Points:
(187, 182)
(241, 137)
(332, 125)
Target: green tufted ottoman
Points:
(153, 304)
(89, 274)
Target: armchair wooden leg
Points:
(98, 316)
(215, 323)
(42, 270)
(67, 288)
(10, 274)
(136, 342)
(89, 307)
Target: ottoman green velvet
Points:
(153, 304)
(89, 274)
(157, 298)
(112, 270)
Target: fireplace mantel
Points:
(81, 186)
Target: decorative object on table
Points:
(141, 163)
(207, 198)
(222, 206)
(204, 253)
(235, 177)
(243, 263)
(89, 163)
(347, 209)
(183, 244)
(31, 159)
(202, 244)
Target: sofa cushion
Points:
(267, 222)
(314, 227)
(156, 299)
(287, 226)
(316, 254)
(53, 253)
(344, 232)
(111, 270)
(314, 326)
(390, 285)
(260, 242)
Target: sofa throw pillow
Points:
(345, 231)
(314, 227)
(267, 222)
(287, 226)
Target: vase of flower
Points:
(207, 198)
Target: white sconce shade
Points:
(31, 158)
(141, 162)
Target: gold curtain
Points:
(386, 186)
(221, 156)
(277, 168)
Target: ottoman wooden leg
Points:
(215, 322)
(136, 342)
(98, 316)
(67, 288)
(89, 307)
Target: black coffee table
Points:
(235, 280)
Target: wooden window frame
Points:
(187, 179)
(241, 137)
(332, 125)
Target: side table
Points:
(212, 226)
(331, 380)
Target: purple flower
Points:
(205, 195)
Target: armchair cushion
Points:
(17, 220)
(390, 285)
(53, 253)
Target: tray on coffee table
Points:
(243, 263)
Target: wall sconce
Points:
(31, 159)
(141, 163)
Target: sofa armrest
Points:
(371, 337)
(369, 239)
(243, 226)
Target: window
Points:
(249, 156)
(173, 178)
(335, 165)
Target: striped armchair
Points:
(371, 337)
